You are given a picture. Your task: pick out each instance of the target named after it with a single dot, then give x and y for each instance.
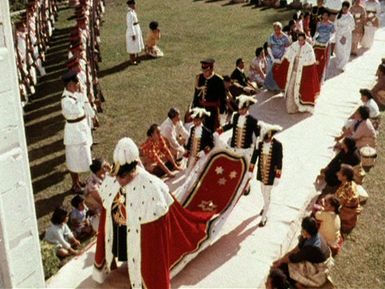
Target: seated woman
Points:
(310, 262)
(330, 223)
(258, 66)
(347, 155)
(374, 111)
(152, 40)
(156, 156)
(360, 129)
(378, 90)
(349, 199)
(60, 235)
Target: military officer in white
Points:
(77, 132)
(134, 39)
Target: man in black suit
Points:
(269, 154)
(210, 94)
(241, 80)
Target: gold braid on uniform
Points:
(202, 89)
(265, 165)
(240, 134)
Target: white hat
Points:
(267, 127)
(245, 100)
(199, 112)
(125, 152)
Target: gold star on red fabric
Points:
(222, 181)
(219, 170)
(207, 206)
(233, 175)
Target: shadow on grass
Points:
(46, 167)
(122, 66)
(53, 147)
(46, 206)
(43, 122)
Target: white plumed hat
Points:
(199, 112)
(125, 151)
(267, 127)
(245, 100)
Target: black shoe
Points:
(261, 212)
(247, 192)
(262, 223)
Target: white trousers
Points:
(266, 191)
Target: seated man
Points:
(347, 155)
(310, 262)
(174, 133)
(155, 154)
(241, 80)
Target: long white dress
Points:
(133, 29)
(373, 10)
(344, 28)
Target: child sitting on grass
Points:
(59, 234)
(79, 219)
(152, 40)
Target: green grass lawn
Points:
(137, 96)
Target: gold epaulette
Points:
(220, 76)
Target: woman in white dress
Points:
(344, 27)
(134, 38)
(373, 10)
(257, 70)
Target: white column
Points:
(20, 261)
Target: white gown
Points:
(344, 27)
(133, 29)
(373, 10)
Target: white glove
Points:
(278, 61)
(201, 154)
(276, 182)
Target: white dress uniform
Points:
(77, 132)
(133, 29)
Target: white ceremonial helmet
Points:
(125, 151)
